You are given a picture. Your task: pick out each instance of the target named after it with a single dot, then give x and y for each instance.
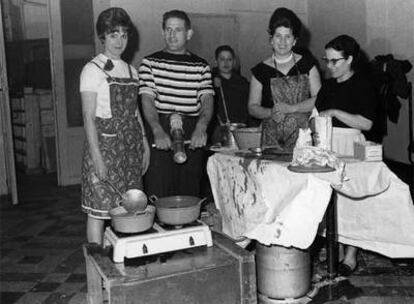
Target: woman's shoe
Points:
(345, 270)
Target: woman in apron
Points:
(349, 98)
(116, 149)
(283, 88)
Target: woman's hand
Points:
(276, 115)
(328, 113)
(101, 170)
(355, 121)
(146, 156)
(283, 108)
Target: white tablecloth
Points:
(263, 200)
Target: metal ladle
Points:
(129, 208)
(114, 187)
(217, 83)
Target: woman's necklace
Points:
(284, 60)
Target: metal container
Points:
(178, 209)
(323, 129)
(247, 138)
(229, 140)
(126, 222)
(282, 272)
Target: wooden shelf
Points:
(33, 132)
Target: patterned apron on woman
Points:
(121, 144)
(283, 131)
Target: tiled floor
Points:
(41, 256)
(42, 262)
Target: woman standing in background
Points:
(231, 92)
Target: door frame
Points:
(58, 89)
(67, 174)
(5, 114)
(69, 139)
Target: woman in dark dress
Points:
(283, 87)
(228, 83)
(349, 99)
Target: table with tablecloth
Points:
(263, 200)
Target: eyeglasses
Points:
(334, 61)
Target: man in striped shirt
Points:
(174, 80)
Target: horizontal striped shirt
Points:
(176, 81)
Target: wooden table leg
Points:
(331, 237)
(94, 281)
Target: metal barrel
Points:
(282, 273)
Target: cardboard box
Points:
(368, 151)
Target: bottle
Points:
(323, 127)
(177, 134)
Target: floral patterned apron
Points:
(120, 141)
(283, 132)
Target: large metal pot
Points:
(127, 222)
(178, 209)
(228, 137)
(282, 273)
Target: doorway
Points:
(47, 44)
(26, 36)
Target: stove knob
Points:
(191, 241)
(144, 249)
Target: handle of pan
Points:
(153, 198)
(186, 142)
(202, 201)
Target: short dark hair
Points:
(176, 14)
(347, 46)
(223, 48)
(286, 18)
(112, 18)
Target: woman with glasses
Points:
(283, 87)
(349, 99)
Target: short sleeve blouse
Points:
(94, 79)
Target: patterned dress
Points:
(284, 130)
(121, 144)
(292, 88)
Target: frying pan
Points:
(177, 210)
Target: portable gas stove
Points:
(158, 239)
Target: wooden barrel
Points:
(282, 272)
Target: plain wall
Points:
(381, 27)
(251, 41)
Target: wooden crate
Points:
(223, 273)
